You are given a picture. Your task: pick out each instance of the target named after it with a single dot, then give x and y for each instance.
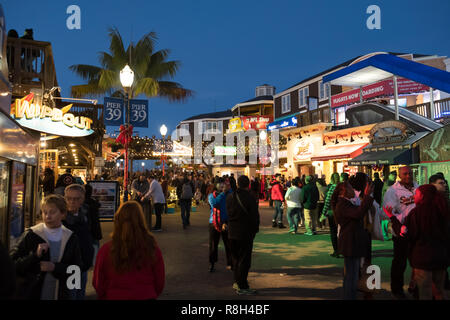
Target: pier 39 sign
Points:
(49, 120)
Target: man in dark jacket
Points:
(77, 220)
(378, 188)
(309, 197)
(243, 224)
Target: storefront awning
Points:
(382, 66)
(398, 156)
(339, 152)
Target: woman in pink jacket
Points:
(278, 199)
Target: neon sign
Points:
(49, 120)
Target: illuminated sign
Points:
(388, 132)
(303, 150)
(284, 123)
(49, 120)
(235, 125)
(224, 151)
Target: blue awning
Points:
(382, 66)
(288, 122)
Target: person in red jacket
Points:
(278, 199)
(130, 266)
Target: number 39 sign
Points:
(114, 112)
(139, 113)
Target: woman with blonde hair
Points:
(130, 266)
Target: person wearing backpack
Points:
(185, 193)
(218, 224)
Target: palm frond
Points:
(147, 86)
(85, 71)
(173, 91)
(116, 45)
(164, 69)
(87, 90)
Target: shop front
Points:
(18, 180)
(392, 145)
(338, 147)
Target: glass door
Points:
(4, 187)
(17, 199)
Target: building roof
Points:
(347, 63)
(382, 66)
(258, 99)
(211, 115)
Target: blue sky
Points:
(227, 48)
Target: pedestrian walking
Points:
(77, 220)
(309, 197)
(131, 265)
(294, 205)
(427, 230)
(322, 188)
(327, 213)
(155, 193)
(353, 239)
(139, 187)
(378, 188)
(218, 224)
(243, 224)
(44, 253)
(278, 200)
(400, 197)
(48, 183)
(185, 193)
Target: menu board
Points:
(107, 193)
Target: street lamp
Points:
(163, 131)
(143, 165)
(126, 79)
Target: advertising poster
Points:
(107, 193)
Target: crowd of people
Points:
(359, 210)
(131, 265)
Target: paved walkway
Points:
(284, 266)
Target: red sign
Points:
(382, 88)
(256, 122)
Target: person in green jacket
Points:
(327, 213)
(309, 197)
(392, 178)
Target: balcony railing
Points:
(441, 109)
(30, 65)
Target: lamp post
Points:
(126, 79)
(143, 165)
(163, 131)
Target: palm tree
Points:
(151, 71)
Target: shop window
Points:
(17, 199)
(4, 186)
(315, 116)
(303, 93)
(324, 91)
(286, 103)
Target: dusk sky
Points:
(227, 48)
